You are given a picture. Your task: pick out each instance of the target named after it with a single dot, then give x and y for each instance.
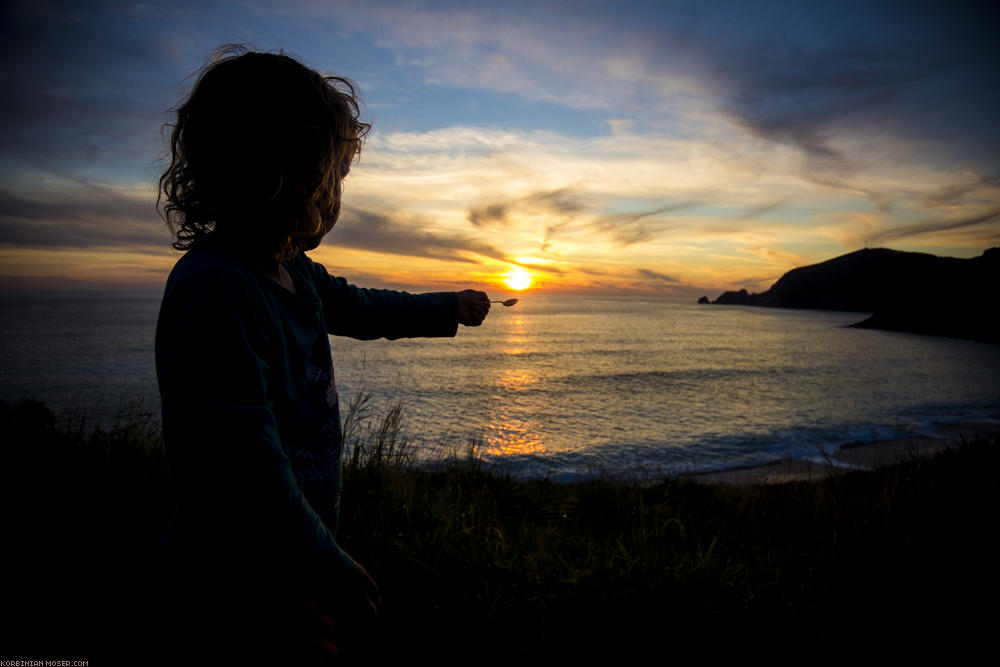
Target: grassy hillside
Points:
(471, 563)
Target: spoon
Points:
(508, 302)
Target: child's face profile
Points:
(312, 242)
(327, 208)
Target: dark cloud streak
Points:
(376, 232)
(806, 74)
(630, 228)
(760, 209)
(84, 217)
(656, 276)
(922, 228)
(949, 194)
(799, 97)
(563, 202)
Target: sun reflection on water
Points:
(506, 435)
(513, 380)
(512, 438)
(516, 340)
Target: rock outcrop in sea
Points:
(904, 291)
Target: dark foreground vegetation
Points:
(478, 566)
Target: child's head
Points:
(258, 153)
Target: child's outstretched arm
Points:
(374, 313)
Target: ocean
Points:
(566, 386)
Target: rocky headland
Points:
(903, 291)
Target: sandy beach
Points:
(854, 456)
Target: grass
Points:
(475, 563)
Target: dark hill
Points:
(904, 291)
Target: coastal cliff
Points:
(904, 291)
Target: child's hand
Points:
(472, 307)
(353, 596)
(366, 591)
(343, 612)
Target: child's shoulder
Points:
(302, 262)
(204, 260)
(308, 270)
(205, 270)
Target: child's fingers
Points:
(472, 307)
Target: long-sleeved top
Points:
(251, 419)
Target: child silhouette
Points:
(251, 418)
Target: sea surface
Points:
(566, 386)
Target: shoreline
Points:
(852, 456)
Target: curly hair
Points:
(258, 153)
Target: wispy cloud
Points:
(561, 203)
(934, 226)
(656, 276)
(981, 187)
(81, 216)
(381, 233)
(630, 228)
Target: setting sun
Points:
(517, 279)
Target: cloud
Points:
(584, 57)
(637, 281)
(810, 79)
(656, 276)
(489, 215)
(776, 256)
(81, 216)
(934, 226)
(629, 228)
(376, 232)
(800, 96)
(640, 196)
(82, 95)
(949, 195)
(563, 202)
(760, 209)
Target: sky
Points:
(648, 148)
